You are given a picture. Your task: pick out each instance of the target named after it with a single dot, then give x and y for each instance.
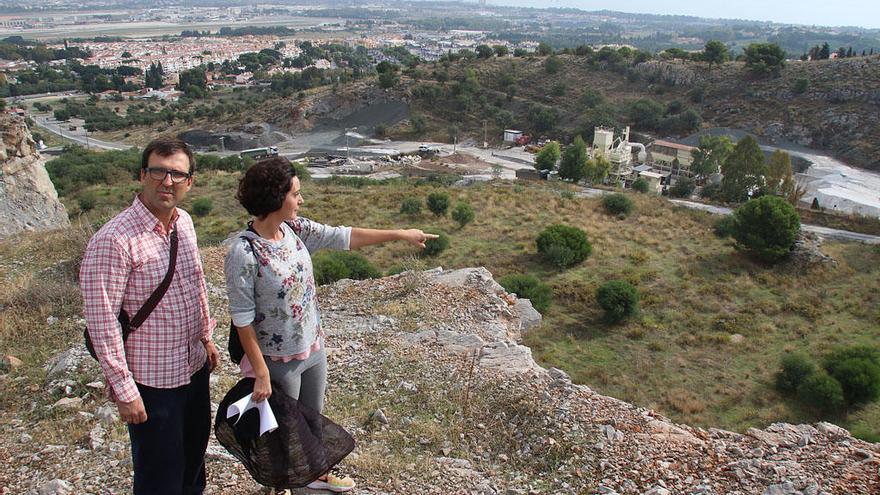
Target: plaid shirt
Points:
(123, 263)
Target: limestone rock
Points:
(28, 200)
(56, 487)
(529, 317)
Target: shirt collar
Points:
(148, 220)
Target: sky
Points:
(862, 13)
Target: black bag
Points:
(305, 445)
(129, 326)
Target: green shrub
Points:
(822, 393)
(683, 188)
(433, 247)
(411, 206)
(618, 298)
(724, 226)
(640, 185)
(563, 245)
(463, 214)
(330, 266)
(617, 204)
(711, 191)
(800, 86)
(857, 369)
(87, 201)
(528, 287)
(795, 369)
(766, 228)
(202, 206)
(438, 203)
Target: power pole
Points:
(485, 143)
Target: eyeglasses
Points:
(159, 174)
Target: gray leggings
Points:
(305, 380)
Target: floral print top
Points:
(271, 284)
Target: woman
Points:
(271, 287)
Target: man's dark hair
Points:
(167, 146)
(264, 186)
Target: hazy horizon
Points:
(807, 12)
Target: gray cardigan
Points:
(271, 284)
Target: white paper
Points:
(267, 417)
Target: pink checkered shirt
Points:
(123, 263)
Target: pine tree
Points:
(780, 179)
(574, 161)
(825, 52)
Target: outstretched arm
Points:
(366, 237)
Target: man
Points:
(158, 377)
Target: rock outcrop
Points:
(28, 200)
(428, 373)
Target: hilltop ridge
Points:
(427, 373)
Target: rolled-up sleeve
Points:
(318, 236)
(240, 269)
(103, 277)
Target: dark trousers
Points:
(168, 450)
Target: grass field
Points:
(678, 356)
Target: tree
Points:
(153, 76)
(795, 369)
(552, 64)
(780, 179)
(548, 156)
(544, 49)
(485, 51)
(617, 204)
(715, 52)
(640, 185)
(500, 50)
(764, 58)
(766, 228)
(711, 153)
(597, 169)
(438, 203)
(463, 214)
(193, 83)
(645, 113)
(543, 118)
(683, 188)
(433, 247)
(573, 166)
(825, 52)
(743, 170)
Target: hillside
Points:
(426, 373)
(834, 113)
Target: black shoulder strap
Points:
(157, 294)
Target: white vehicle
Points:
(425, 148)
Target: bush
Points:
(766, 227)
(411, 206)
(330, 266)
(795, 369)
(87, 201)
(202, 206)
(857, 369)
(640, 185)
(617, 204)
(822, 393)
(433, 247)
(618, 298)
(438, 203)
(711, 191)
(463, 214)
(724, 226)
(528, 287)
(683, 188)
(563, 245)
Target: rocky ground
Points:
(427, 374)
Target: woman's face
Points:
(292, 201)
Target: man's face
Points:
(162, 196)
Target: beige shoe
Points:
(333, 484)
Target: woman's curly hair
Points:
(264, 186)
